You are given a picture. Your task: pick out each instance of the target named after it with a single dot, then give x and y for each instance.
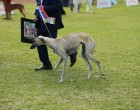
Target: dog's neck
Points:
(49, 41)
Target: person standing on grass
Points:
(52, 9)
(89, 7)
(75, 6)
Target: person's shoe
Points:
(43, 68)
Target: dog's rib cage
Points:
(70, 42)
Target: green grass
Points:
(116, 31)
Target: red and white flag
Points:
(44, 15)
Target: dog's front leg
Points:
(57, 65)
(63, 70)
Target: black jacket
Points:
(53, 9)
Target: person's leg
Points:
(43, 55)
(75, 2)
(71, 5)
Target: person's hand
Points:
(35, 20)
(41, 6)
(38, 4)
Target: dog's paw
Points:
(102, 75)
(60, 81)
(88, 77)
(59, 71)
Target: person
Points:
(53, 9)
(89, 7)
(7, 4)
(76, 5)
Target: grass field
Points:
(116, 31)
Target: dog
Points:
(68, 45)
(10, 7)
(20, 7)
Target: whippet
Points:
(69, 45)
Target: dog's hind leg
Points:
(88, 64)
(22, 11)
(86, 60)
(97, 62)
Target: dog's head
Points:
(37, 42)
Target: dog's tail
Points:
(22, 10)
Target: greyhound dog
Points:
(68, 45)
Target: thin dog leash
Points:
(48, 30)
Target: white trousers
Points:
(89, 7)
(76, 3)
